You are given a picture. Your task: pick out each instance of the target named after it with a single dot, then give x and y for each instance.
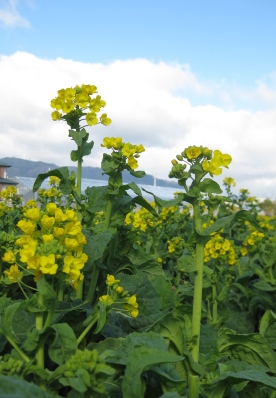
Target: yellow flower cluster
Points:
(220, 248)
(141, 219)
(175, 244)
(229, 181)
(8, 193)
(52, 243)
(117, 296)
(213, 166)
(211, 161)
(124, 151)
(79, 99)
(251, 242)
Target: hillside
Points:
(28, 168)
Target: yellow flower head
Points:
(110, 280)
(14, 274)
(48, 265)
(9, 257)
(193, 152)
(106, 299)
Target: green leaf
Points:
(168, 203)
(265, 286)
(109, 164)
(78, 136)
(96, 198)
(64, 344)
(74, 155)
(218, 388)
(240, 215)
(268, 318)
(251, 348)
(96, 245)
(86, 148)
(15, 387)
(209, 186)
(137, 173)
(62, 173)
(140, 360)
(45, 289)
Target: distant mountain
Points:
(28, 168)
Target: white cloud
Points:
(9, 15)
(149, 103)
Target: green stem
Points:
(39, 355)
(60, 290)
(197, 303)
(79, 214)
(215, 303)
(15, 346)
(88, 327)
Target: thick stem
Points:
(39, 355)
(197, 303)
(79, 176)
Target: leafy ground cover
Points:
(107, 295)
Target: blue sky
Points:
(173, 74)
(219, 39)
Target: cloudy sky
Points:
(173, 74)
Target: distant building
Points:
(25, 188)
(4, 181)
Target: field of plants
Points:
(106, 295)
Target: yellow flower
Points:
(128, 149)
(14, 274)
(110, 280)
(56, 115)
(224, 159)
(106, 299)
(119, 290)
(73, 228)
(60, 216)
(212, 167)
(132, 306)
(51, 208)
(82, 99)
(192, 152)
(71, 244)
(33, 214)
(28, 227)
(243, 251)
(9, 257)
(91, 119)
(132, 163)
(70, 93)
(33, 262)
(106, 121)
(72, 265)
(59, 232)
(47, 222)
(28, 251)
(67, 106)
(48, 265)
(48, 238)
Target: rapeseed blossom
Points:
(76, 102)
(51, 244)
(126, 153)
